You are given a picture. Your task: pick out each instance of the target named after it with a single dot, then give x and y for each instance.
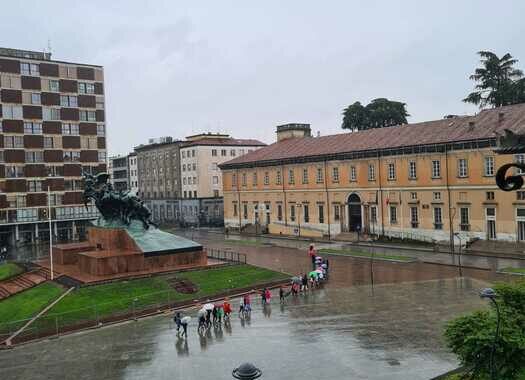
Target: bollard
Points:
(56, 327)
(246, 371)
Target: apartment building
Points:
(201, 188)
(158, 177)
(430, 181)
(53, 128)
(119, 172)
(133, 177)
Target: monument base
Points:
(115, 250)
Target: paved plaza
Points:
(388, 331)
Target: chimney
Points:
(501, 116)
(291, 130)
(471, 125)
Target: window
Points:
(235, 209)
(101, 130)
(436, 169)
(244, 179)
(215, 193)
(371, 172)
(335, 174)
(373, 214)
(192, 153)
(436, 196)
(87, 115)
(489, 166)
(462, 168)
(56, 171)
(34, 156)
(319, 177)
(71, 156)
(33, 128)
(101, 156)
(412, 172)
(278, 179)
(13, 141)
(10, 111)
(34, 186)
(464, 222)
(414, 217)
(48, 142)
(54, 85)
(291, 179)
(234, 180)
(520, 195)
(393, 215)
(305, 176)
(29, 69)
(49, 113)
(254, 179)
(279, 212)
(183, 154)
(337, 210)
(194, 166)
(245, 210)
(306, 213)
(183, 167)
(321, 213)
(266, 178)
(489, 195)
(215, 180)
(438, 220)
(68, 101)
(520, 159)
(213, 153)
(223, 152)
(413, 195)
(353, 173)
(491, 223)
(292, 213)
(35, 98)
(70, 129)
(86, 88)
(14, 171)
(214, 166)
(232, 152)
(391, 171)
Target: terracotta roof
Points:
(225, 141)
(456, 129)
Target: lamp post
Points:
(50, 230)
(491, 295)
(246, 371)
(457, 234)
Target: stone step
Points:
(4, 293)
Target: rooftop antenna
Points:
(49, 46)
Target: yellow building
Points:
(424, 181)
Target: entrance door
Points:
(491, 223)
(354, 213)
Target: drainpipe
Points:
(285, 206)
(238, 199)
(327, 198)
(450, 217)
(381, 196)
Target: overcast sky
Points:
(175, 68)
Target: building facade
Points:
(119, 172)
(158, 177)
(53, 129)
(201, 189)
(133, 177)
(432, 181)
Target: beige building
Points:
(424, 181)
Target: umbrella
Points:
(186, 320)
(296, 279)
(312, 274)
(208, 306)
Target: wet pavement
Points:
(388, 331)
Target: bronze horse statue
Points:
(112, 204)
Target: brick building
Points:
(53, 128)
(425, 181)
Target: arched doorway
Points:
(354, 213)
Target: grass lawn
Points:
(252, 243)
(8, 270)
(365, 254)
(118, 297)
(514, 270)
(28, 303)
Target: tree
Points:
(378, 113)
(499, 83)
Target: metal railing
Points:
(226, 255)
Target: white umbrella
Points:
(208, 306)
(186, 320)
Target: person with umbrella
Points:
(312, 254)
(184, 323)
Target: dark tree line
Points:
(378, 113)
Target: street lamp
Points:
(491, 295)
(50, 230)
(246, 371)
(457, 234)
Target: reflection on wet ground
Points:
(388, 331)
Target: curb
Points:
(511, 273)
(412, 259)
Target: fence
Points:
(225, 255)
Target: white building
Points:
(133, 178)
